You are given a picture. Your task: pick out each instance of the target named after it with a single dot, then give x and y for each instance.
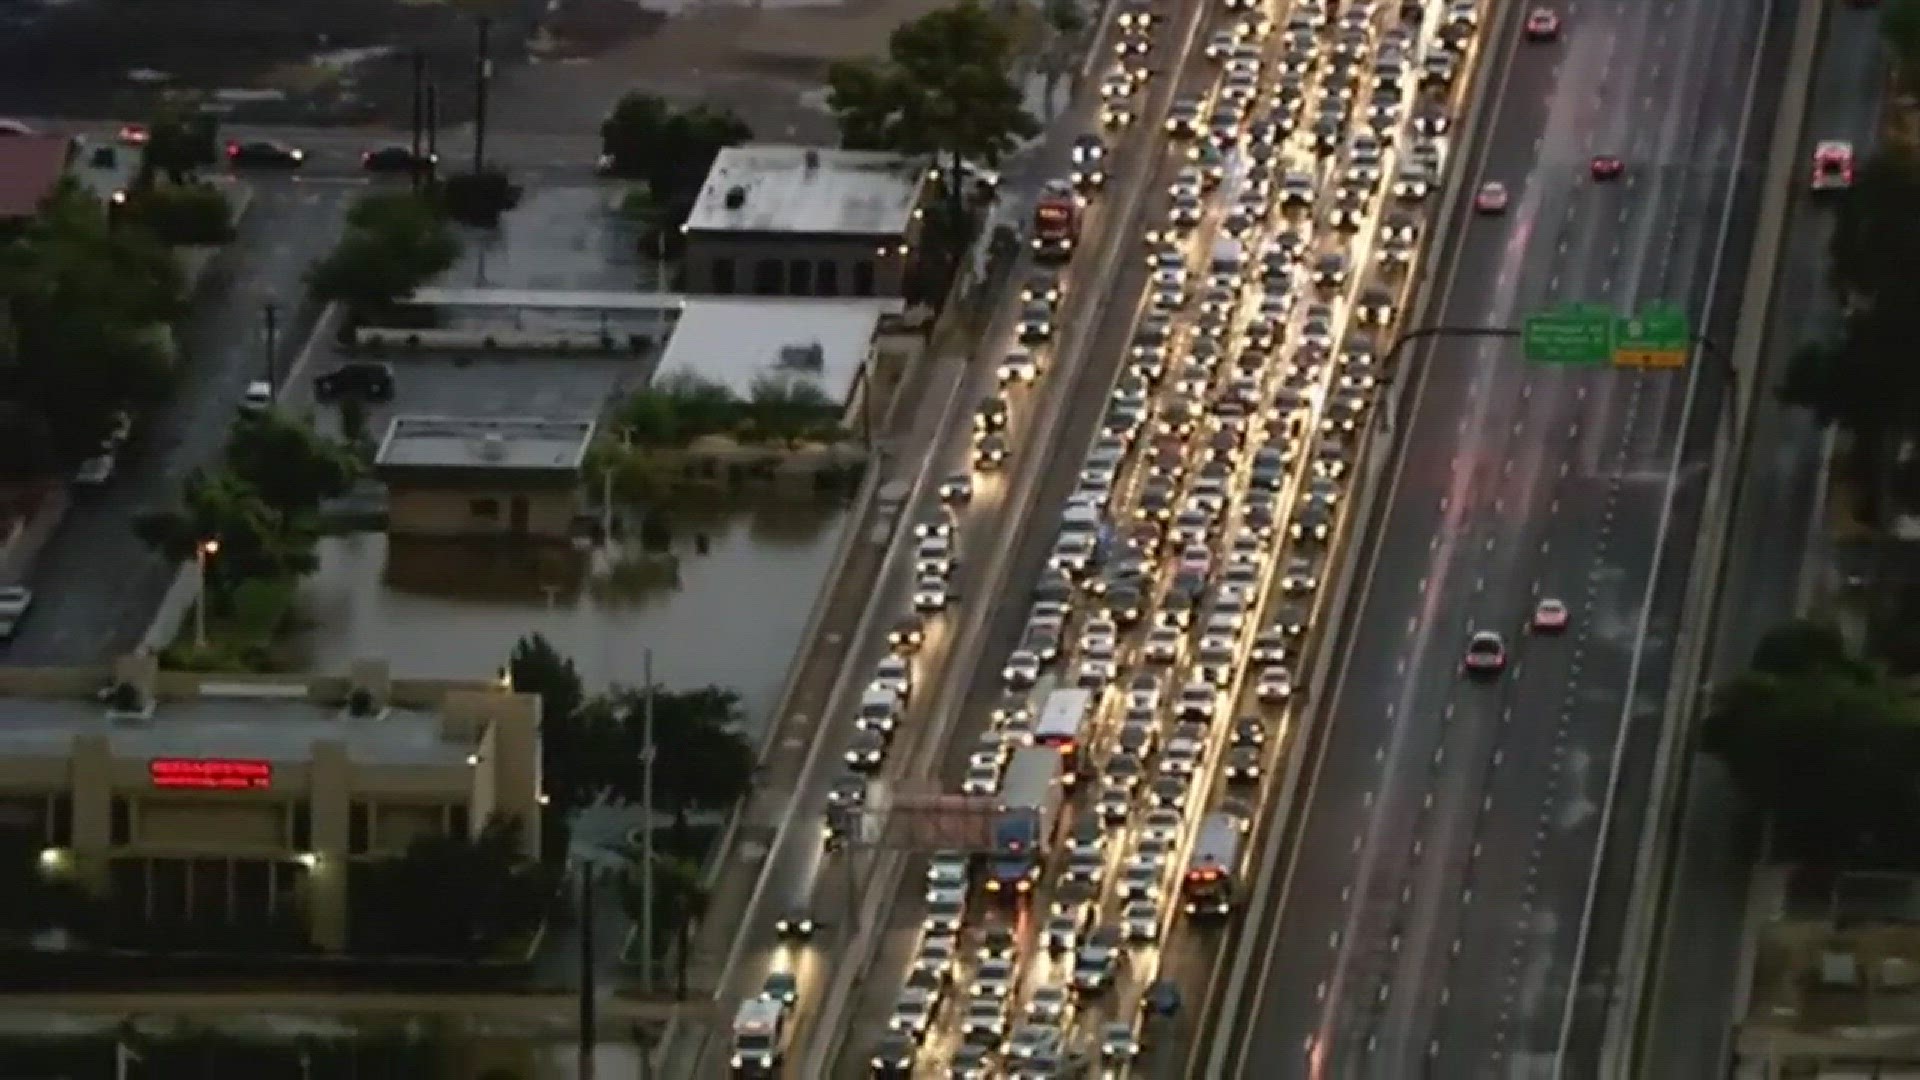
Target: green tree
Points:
(1900, 26)
(1876, 234)
(292, 467)
(86, 312)
(680, 901)
(1065, 16)
(479, 198)
(1865, 380)
(536, 667)
(182, 213)
(394, 242)
(451, 896)
(944, 90)
(254, 539)
(645, 138)
(704, 762)
(1824, 743)
(181, 141)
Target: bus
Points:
(1065, 725)
(1213, 866)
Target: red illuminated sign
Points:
(211, 774)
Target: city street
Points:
(96, 584)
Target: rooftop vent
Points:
(736, 197)
(808, 357)
(493, 447)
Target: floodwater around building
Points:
(733, 617)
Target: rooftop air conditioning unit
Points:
(493, 447)
(809, 357)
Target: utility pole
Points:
(647, 902)
(271, 312)
(588, 1017)
(419, 111)
(482, 74)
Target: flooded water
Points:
(733, 618)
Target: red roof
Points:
(30, 167)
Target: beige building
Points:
(805, 221)
(469, 476)
(203, 798)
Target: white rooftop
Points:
(450, 442)
(270, 727)
(735, 341)
(808, 190)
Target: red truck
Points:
(1056, 222)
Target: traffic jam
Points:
(1148, 696)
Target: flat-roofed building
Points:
(805, 221)
(741, 342)
(483, 476)
(205, 800)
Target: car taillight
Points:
(233, 149)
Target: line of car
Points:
(1230, 434)
(884, 701)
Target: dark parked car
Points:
(396, 159)
(363, 379)
(264, 154)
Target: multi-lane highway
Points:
(1183, 451)
(1430, 908)
(798, 873)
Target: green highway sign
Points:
(1575, 334)
(1657, 337)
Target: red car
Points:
(1608, 168)
(1543, 24)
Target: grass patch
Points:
(242, 630)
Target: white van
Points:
(1227, 263)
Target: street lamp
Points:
(202, 551)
